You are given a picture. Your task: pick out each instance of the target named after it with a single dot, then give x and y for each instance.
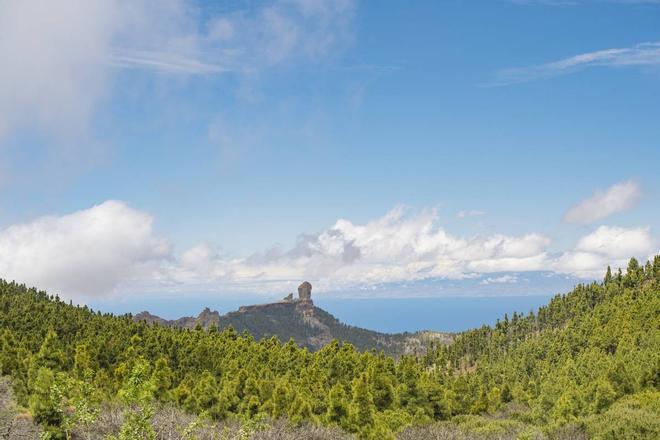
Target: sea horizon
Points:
(386, 315)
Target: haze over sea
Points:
(394, 315)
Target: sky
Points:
(172, 148)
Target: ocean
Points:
(394, 315)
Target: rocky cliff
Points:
(308, 325)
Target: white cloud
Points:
(112, 248)
(644, 54)
(86, 253)
(504, 279)
(469, 213)
(52, 56)
(620, 197)
(581, 264)
(535, 262)
(59, 62)
(607, 245)
(400, 246)
(616, 242)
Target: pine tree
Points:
(82, 361)
(361, 410)
(337, 406)
(506, 393)
(206, 392)
(50, 353)
(280, 400)
(44, 404)
(161, 378)
(8, 353)
(300, 410)
(566, 407)
(382, 390)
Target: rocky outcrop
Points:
(300, 320)
(208, 317)
(305, 291)
(150, 319)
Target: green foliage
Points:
(337, 413)
(361, 409)
(576, 357)
(633, 417)
(45, 404)
(137, 393)
(589, 358)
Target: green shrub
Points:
(635, 417)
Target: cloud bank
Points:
(112, 248)
(617, 198)
(398, 246)
(607, 245)
(87, 253)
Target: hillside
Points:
(587, 365)
(589, 360)
(309, 326)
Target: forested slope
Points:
(586, 364)
(573, 359)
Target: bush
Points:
(474, 428)
(635, 417)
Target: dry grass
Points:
(171, 423)
(14, 425)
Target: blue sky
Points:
(241, 146)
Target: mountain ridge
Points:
(309, 325)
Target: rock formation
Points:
(308, 325)
(305, 291)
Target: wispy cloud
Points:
(546, 2)
(163, 62)
(583, 2)
(644, 54)
(617, 198)
(58, 66)
(469, 213)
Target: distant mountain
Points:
(308, 325)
